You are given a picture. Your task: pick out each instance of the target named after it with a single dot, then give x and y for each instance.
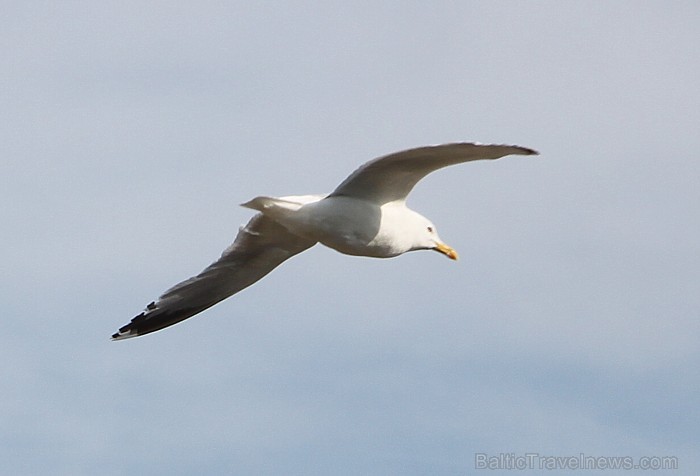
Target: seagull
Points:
(366, 215)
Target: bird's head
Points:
(426, 238)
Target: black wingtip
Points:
(155, 319)
(127, 330)
(526, 150)
(123, 334)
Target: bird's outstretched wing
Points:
(393, 176)
(259, 247)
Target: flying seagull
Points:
(366, 215)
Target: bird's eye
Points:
(430, 229)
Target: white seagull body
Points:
(366, 215)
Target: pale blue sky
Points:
(132, 130)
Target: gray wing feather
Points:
(393, 176)
(259, 247)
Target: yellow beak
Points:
(446, 250)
